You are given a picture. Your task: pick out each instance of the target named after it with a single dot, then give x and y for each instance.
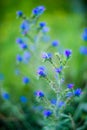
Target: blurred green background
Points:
(66, 19)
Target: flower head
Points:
(42, 24)
(5, 96)
(38, 10)
(69, 94)
(55, 43)
(19, 13)
(53, 101)
(26, 80)
(41, 71)
(47, 113)
(61, 103)
(19, 58)
(70, 86)
(46, 56)
(39, 94)
(84, 35)
(67, 53)
(23, 46)
(59, 70)
(23, 99)
(19, 40)
(78, 92)
(83, 50)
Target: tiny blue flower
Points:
(39, 94)
(47, 113)
(84, 35)
(45, 29)
(59, 70)
(61, 103)
(38, 10)
(42, 24)
(5, 96)
(26, 56)
(19, 58)
(19, 40)
(83, 50)
(41, 71)
(26, 80)
(70, 86)
(19, 13)
(55, 43)
(23, 46)
(46, 56)
(68, 53)
(78, 92)
(23, 99)
(53, 101)
(25, 27)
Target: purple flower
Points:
(70, 86)
(55, 43)
(68, 53)
(59, 70)
(83, 50)
(19, 41)
(39, 94)
(42, 24)
(84, 35)
(26, 80)
(46, 56)
(19, 13)
(41, 71)
(23, 99)
(5, 96)
(19, 58)
(38, 10)
(47, 113)
(78, 92)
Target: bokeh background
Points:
(66, 19)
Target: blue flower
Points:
(19, 40)
(26, 80)
(78, 92)
(47, 113)
(19, 13)
(84, 35)
(46, 56)
(26, 56)
(59, 70)
(45, 29)
(25, 26)
(23, 46)
(42, 24)
(83, 50)
(53, 101)
(70, 86)
(38, 10)
(39, 94)
(55, 43)
(41, 71)
(19, 58)
(68, 53)
(23, 99)
(5, 96)
(61, 103)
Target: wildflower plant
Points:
(34, 34)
